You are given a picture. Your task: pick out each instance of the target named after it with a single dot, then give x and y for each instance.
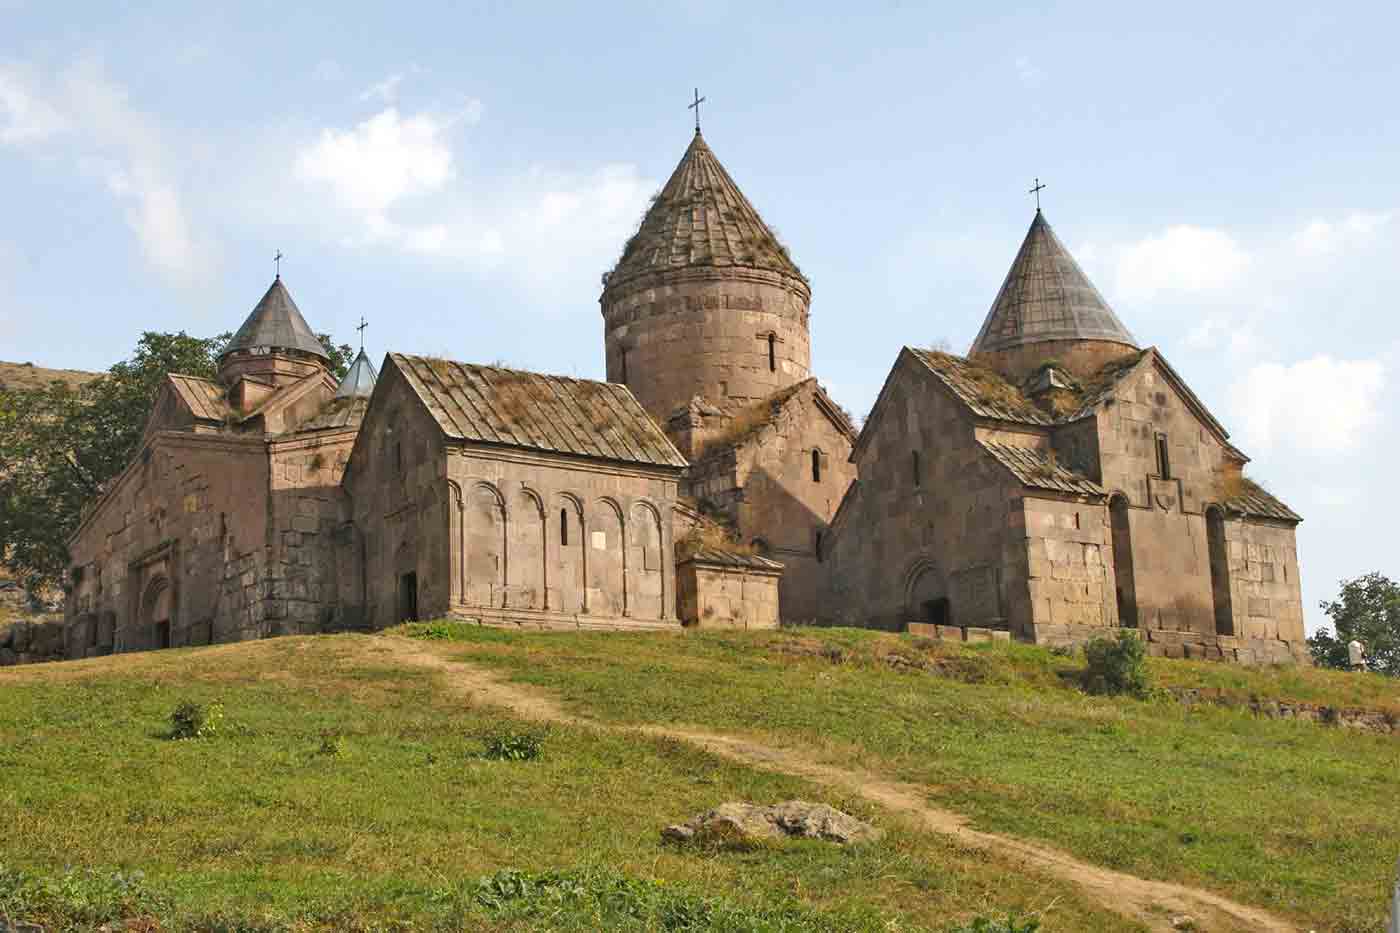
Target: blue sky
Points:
(462, 175)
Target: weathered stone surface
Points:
(740, 823)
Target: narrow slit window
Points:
(398, 456)
(918, 469)
(623, 353)
(772, 353)
(564, 527)
(1164, 465)
(817, 546)
(816, 465)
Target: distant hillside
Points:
(29, 376)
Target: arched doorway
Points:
(926, 596)
(1123, 561)
(155, 612)
(1219, 570)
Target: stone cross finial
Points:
(1036, 191)
(361, 329)
(696, 107)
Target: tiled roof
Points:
(701, 218)
(339, 412)
(524, 409)
(1046, 296)
(1258, 501)
(983, 391)
(276, 322)
(206, 400)
(730, 559)
(1038, 471)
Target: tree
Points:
(59, 446)
(1368, 611)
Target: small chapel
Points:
(1056, 482)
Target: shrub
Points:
(507, 744)
(196, 721)
(1009, 924)
(74, 899)
(332, 744)
(1116, 666)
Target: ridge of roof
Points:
(701, 218)
(1046, 296)
(276, 322)
(517, 408)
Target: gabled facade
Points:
(499, 495)
(1014, 491)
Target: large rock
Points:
(747, 823)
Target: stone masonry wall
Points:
(721, 596)
(767, 488)
(899, 545)
(1069, 552)
(705, 332)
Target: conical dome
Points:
(701, 218)
(276, 324)
(359, 379)
(1047, 298)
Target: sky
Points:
(462, 175)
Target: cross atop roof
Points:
(1036, 191)
(696, 107)
(277, 263)
(361, 329)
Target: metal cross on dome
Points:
(361, 329)
(1036, 191)
(696, 107)
(277, 263)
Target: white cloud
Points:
(1029, 73)
(381, 161)
(1321, 405)
(25, 117)
(386, 91)
(1322, 237)
(1183, 259)
(92, 114)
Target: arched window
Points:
(918, 469)
(816, 465)
(564, 527)
(772, 353)
(1123, 561)
(622, 353)
(1219, 570)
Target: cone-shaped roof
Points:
(701, 218)
(359, 378)
(276, 323)
(1046, 296)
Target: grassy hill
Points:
(29, 376)
(347, 787)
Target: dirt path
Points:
(1154, 903)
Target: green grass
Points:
(1298, 818)
(342, 792)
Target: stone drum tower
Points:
(705, 301)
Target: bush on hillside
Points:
(1116, 666)
(1008, 925)
(196, 721)
(507, 744)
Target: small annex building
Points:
(1057, 482)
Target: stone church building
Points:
(1056, 482)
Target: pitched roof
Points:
(523, 409)
(337, 413)
(1037, 470)
(731, 559)
(701, 218)
(276, 322)
(359, 378)
(1254, 499)
(205, 399)
(984, 392)
(1046, 296)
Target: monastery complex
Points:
(1057, 481)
